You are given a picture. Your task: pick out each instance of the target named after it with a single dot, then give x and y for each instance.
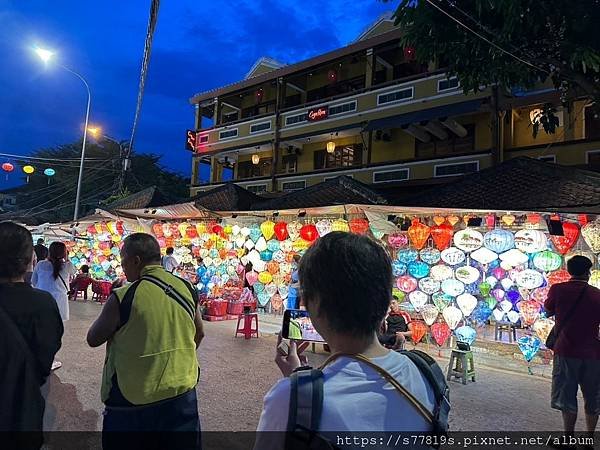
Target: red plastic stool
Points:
(247, 329)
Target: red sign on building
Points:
(190, 142)
(316, 114)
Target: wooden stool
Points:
(508, 327)
(461, 366)
(247, 329)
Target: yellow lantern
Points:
(300, 245)
(98, 227)
(96, 244)
(186, 241)
(116, 238)
(183, 228)
(228, 229)
(201, 228)
(106, 252)
(340, 225)
(268, 229)
(112, 227)
(28, 169)
(265, 277)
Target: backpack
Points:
(306, 400)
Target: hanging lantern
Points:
(8, 168)
(49, 173)
(268, 229)
(529, 279)
(484, 256)
(529, 346)
(309, 232)
(468, 239)
(280, 230)
(452, 220)
(452, 315)
(330, 147)
(440, 332)
(453, 287)
(407, 255)
(441, 272)
(255, 159)
(409, 53)
(260, 93)
(438, 220)
(28, 171)
(467, 274)
(529, 311)
(418, 269)
(499, 240)
(430, 313)
(530, 241)
(340, 225)
(490, 221)
(508, 219)
(591, 235)
(406, 283)
(429, 285)
(514, 257)
(442, 235)
(397, 240)
(430, 255)
(418, 233)
(466, 303)
(418, 299)
(323, 227)
(358, 226)
(465, 334)
(453, 256)
(542, 328)
(293, 229)
(419, 329)
(547, 261)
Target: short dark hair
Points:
(143, 246)
(40, 241)
(351, 278)
(170, 250)
(85, 269)
(578, 265)
(17, 250)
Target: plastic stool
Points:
(509, 327)
(462, 366)
(247, 330)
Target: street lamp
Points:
(46, 55)
(96, 131)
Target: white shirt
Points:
(356, 398)
(169, 263)
(43, 279)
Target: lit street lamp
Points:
(46, 56)
(123, 152)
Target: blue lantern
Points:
(255, 233)
(418, 269)
(273, 245)
(398, 268)
(258, 287)
(481, 314)
(407, 255)
(465, 334)
(266, 255)
(200, 271)
(529, 346)
(499, 240)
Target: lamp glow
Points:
(255, 159)
(330, 147)
(45, 55)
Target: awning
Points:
(439, 112)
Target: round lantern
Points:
(466, 303)
(453, 287)
(591, 235)
(468, 239)
(309, 232)
(323, 227)
(481, 313)
(499, 240)
(397, 240)
(358, 226)
(418, 329)
(398, 268)
(268, 229)
(467, 274)
(429, 285)
(429, 313)
(440, 332)
(547, 261)
(8, 168)
(430, 255)
(418, 299)
(441, 272)
(28, 169)
(530, 241)
(340, 225)
(560, 276)
(530, 279)
(452, 315)
(418, 233)
(484, 256)
(266, 255)
(265, 277)
(569, 238)
(442, 235)
(406, 283)
(453, 256)
(418, 269)
(465, 334)
(407, 255)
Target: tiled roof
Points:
(143, 199)
(336, 191)
(519, 184)
(229, 197)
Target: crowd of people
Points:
(152, 329)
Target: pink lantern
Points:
(441, 332)
(251, 277)
(397, 240)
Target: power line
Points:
(36, 158)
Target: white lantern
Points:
(513, 316)
(468, 239)
(453, 287)
(235, 230)
(484, 255)
(452, 316)
(453, 256)
(591, 235)
(466, 303)
(505, 305)
(255, 159)
(429, 313)
(530, 279)
(467, 274)
(261, 244)
(249, 244)
(514, 258)
(530, 241)
(418, 299)
(429, 285)
(330, 147)
(498, 315)
(441, 272)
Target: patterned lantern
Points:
(429, 285)
(418, 269)
(465, 334)
(418, 299)
(569, 238)
(529, 346)
(591, 235)
(419, 329)
(280, 230)
(397, 240)
(340, 225)
(266, 255)
(293, 229)
(466, 303)
(440, 332)
(323, 227)
(468, 239)
(265, 277)
(560, 276)
(529, 279)
(407, 255)
(442, 235)
(255, 232)
(406, 283)
(299, 245)
(542, 328)
(452, 315)
(358, 226)
(430, 313)
(398, 268)
(271, 289)
(430, 255)
(251, 278)
(467, 274)
(309, 232)
(453, 256)
(268, 229)
(453, 287)
(441, 272)
(547, 261)
(530, 241)
(499, 240)
(418, 233)
(441, 300)
(529, 310)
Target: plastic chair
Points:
(81, 285)
(247, 329)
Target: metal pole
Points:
(87, 117)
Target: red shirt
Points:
(579, 337)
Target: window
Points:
(349, 175)
(248, 170)
(257, 188)
(395, 96)
(230, 117)
(548, 158)
(292, 100)
(444, 147)
(343, 108)
(347, 156)
(390, 175)
(259, 110)
(592, 123)
(291, 120)
(257, 128)
(289, 164)
(203, 174)
(203, 139)
(227, 173)
(448, 170)
(448, 84)
(288, 186)
(228, 134)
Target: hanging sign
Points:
(316, 114)
(190, 140)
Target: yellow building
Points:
(369, 111)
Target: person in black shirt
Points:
(30, 335)
(395, 330)
(41, 251)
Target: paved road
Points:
(236, 373)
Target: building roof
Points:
(372, 29)
(336, 191)
(519, 184)
(265, 61)
(229, 197)
(303, 65)
(145, 198)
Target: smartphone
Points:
(298, 326)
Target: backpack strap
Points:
(127, 302)
(191, 288)
(306, 400)
(421, 409)
(172, 294)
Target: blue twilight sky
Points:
(198, 45)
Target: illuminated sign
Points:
(190, 142)
(316, 114)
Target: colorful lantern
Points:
(418, 233)
(542, 328)
(441, 300)
(397, 240)
(591, 235)
(529, 346)
(418, 269)
(452, 220)
(453, 287)
(266, 255)
(547, 261)
(429, 285)
(430, 313)
(398, 268)
(293, 229)
(8, 168)
(569, 238)
(28, 171)
(299, 245)
(560, 276)
(530, 241)
(529, 311)
(323, 227)
(499, 240)
(407, 255)
(595, 278)
(467, 274)
(340, 225)
(358, 226)
(406, 283)
(419, 329)
(271, 289)
(442, 235)
(268, 229)
(508, 219)
(430, 255)
(255, 232)
(466, 303)
(265, 277)
(481, 313)
(438, 220)
(465, 334)
(440, 332)
(309, 232)
(453, 256)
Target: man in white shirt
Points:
(169, 262)
(346, 283)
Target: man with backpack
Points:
(346, 282)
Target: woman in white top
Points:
(53, 275)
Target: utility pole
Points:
(124, 154)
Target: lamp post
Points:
(45, 56)
(123, 153)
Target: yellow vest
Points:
(154, 353)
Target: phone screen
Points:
(297, 325)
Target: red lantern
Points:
(7, 167)
(418, 233)
(91, 229)
(419, 329)
(175, 233)
(409, 53)
(570, 235)
(442, 235)
(582, 219)
(170, 241)
(529, 310)
(359, 226)
(533, 218)
(281, 232)
(560, 276)
(490, 221)
(157, 228)
(191, 232)
(332, 76)
(309, 232)
(120, 228)
(217, 229)
(260, 93)
(441, 332)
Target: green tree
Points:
(515, 44)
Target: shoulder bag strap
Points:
(172, 294)
(63, 282)
(390, 379)
(306, 400)
(571, 311)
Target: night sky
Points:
(198, 45)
